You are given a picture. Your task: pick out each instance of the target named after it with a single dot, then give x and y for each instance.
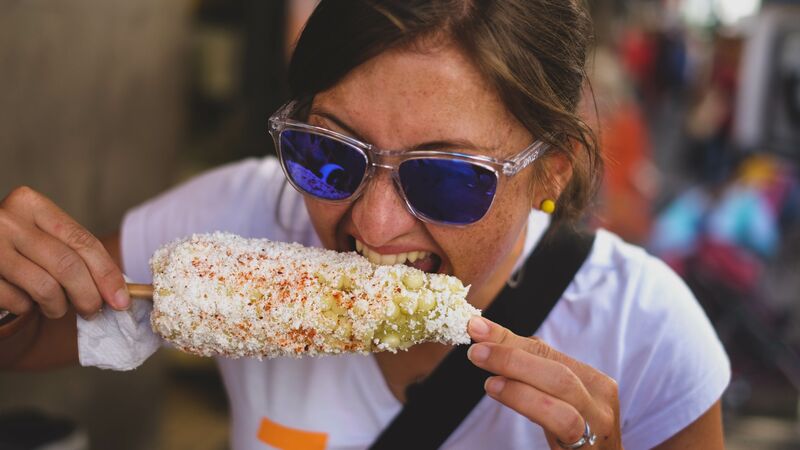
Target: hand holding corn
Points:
(220, 294)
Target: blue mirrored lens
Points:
(322, 166)
(450, 191)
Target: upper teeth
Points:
(399, 258)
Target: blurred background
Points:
(105, 103)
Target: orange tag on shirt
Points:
(285, 438)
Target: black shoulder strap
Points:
(436, 406)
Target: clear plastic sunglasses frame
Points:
(391, 159)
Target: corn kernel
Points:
(413, 280)
(347, 283)
(426, 303)
(256, 295)
(328, 302)
(345, 328)
(392, 311)
(407, 304)
(455, 284)
(360, 307)
(391, 340)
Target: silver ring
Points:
(587, 438)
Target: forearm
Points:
(704, 433)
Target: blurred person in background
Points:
(631, 182)
(626, 357)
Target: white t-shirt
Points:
(625, 313)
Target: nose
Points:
(380, 214)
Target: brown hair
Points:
(532, 52)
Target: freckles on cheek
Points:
(478, 252)
(492, 240)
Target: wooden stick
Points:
(144, 291)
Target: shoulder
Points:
(640, 301)
(620, 275)
(648, 332)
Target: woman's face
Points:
(434, 100)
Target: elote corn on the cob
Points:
(220, 294)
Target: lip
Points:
(392, 249)
(444, 266)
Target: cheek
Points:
(326, 218)
(476, 252)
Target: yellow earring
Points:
(548, 206)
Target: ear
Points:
(556, 171)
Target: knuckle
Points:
(8, 223)
(605, 386)
(608, 415)
(108, 273)
(48, 290)
(538, 347)
(79, 238)
(612, 388)
(611, 384)
(88, 307)
(513, 360)
(505, 336)
(571, 426)
(55, 311)
(566, 380)
(68, 263)
(21, 195)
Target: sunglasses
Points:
(439, 187)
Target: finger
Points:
(556, 416)
(484, 330)
(42, 288)
(105, 273)
(63, 264)
(547, 375)
(14, 299)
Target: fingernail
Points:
(122, 299)
(494, 385)
(478, 353)
(478, 326)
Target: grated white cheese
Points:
(221, 294)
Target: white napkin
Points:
(118, 340)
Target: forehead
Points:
(404, 97)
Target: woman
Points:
(626, 355)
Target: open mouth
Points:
(422, 260)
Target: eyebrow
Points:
(464, 144)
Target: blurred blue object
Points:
(678, 227)
(740, 217)
(743, 218)
(748, 212)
